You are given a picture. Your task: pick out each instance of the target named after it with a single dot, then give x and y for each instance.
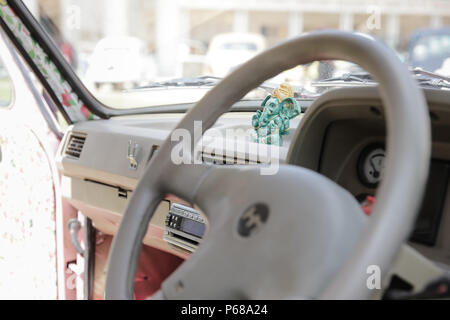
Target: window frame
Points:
(44, 41)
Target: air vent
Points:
(224, 160)
(75, 145)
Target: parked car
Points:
(121, 61)
(429, 49)
(228, 51)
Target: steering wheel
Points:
(295, 234)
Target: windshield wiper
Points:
(430, 79)
(203, 81)
(424, 78)
(211, 81)
(420, 72)
(352, 79)
(358, 77)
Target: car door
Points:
(29, 205)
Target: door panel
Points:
(27, 215)
(29, 204)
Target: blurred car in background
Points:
(120, 61)
(191, 55)
(429, 49)
(229, 50)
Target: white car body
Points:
(120, 60)
(229, 50)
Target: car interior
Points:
(359, 182)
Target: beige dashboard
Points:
(98, 179)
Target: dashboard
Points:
(98, 177)
(344, 139)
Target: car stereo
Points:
(185, 227)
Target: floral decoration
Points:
(70, 101)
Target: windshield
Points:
(127, 52)
(431, 51)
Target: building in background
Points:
(181, 30)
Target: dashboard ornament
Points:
(272, 123)
(132, 154)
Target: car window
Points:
(6, 87)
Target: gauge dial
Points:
(371, 165)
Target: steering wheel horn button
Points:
(253, 219)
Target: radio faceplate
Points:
(185, 227)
